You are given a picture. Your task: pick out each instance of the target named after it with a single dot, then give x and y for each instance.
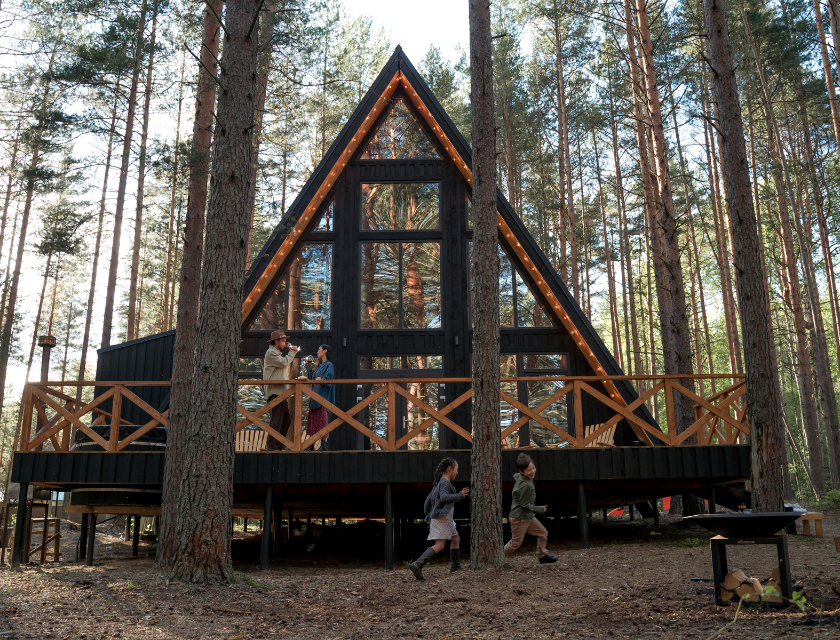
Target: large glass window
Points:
(302, 298)
(400, 285)
(399, 136)
(407, 206)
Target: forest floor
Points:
(635, 582)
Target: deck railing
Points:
(51, 416)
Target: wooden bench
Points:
(251, 440)
(807, 518)
(606, 439)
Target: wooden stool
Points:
(806, 523)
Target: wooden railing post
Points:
(392, 417)
(116, 413)
(579, 435)
(669, 412)
(26, 426)
(297, 419)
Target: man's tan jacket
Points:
(276, 367)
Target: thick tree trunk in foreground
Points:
(205, 469)
(110, 292)
(184, 348)
(763, 393)
(486, 548)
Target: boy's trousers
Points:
(519, 527)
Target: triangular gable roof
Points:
(528, 257)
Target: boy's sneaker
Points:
(547, 559)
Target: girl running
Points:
(439, 507)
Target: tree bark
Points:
(205, 473)
(133, 321)
(486, 550)
(674, 321)
(763, 395)
(190, 280)
(829, 78)
(113, 271)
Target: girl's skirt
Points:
(442, 528)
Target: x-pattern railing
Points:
(50, 415)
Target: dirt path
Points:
(632, 585)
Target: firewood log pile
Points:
(739, 586)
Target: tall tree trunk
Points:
(263, 64)
(34, 163)
(133, 321)
(764, 405)
(166, 322)
(486, 548)
(97, 244)
(12, 171)
(674, 321)
(113, 271)
(829, 78)
(562, 140)
(202, 527)
(183, 351)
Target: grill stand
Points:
(718, 546)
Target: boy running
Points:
(523, 509)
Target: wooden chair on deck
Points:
(251, 440)
(604, 440)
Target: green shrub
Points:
(832, 498)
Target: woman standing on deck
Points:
(318, 417)
(439, 507)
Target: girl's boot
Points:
(455, 559)
(417, 566)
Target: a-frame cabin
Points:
(372, 258)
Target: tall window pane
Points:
(421, 284)
(401, 206)
(302, 299)
(380, 285)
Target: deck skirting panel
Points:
(725, 462)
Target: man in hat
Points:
(276, 365)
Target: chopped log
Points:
(766, 597)
(750, 591)
(776, 575)
(726, 595)
(734, 579)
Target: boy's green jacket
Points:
(524, 496)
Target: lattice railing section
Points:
(51, 418)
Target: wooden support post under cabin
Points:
(81, 552)
(583, 520)
(17, 550)
(277, 534)
(135, 536)
(245, 525)
(266, 529)
(685, 511)
(655, 503)
(389, 529)
(290, 532)
(712, 500)
(605, 513)
(91, 540)
(630, 513)
(45, 532)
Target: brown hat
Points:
(277, 335)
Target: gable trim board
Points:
(530, 260)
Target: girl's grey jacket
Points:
(441, 500)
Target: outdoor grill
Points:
(746, 528)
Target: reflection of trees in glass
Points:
(399, 136)
(507, 369)
(517, 305)
(400, 285)
(380, 363)
(403, 206)
(302, 299)
(555, 413)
